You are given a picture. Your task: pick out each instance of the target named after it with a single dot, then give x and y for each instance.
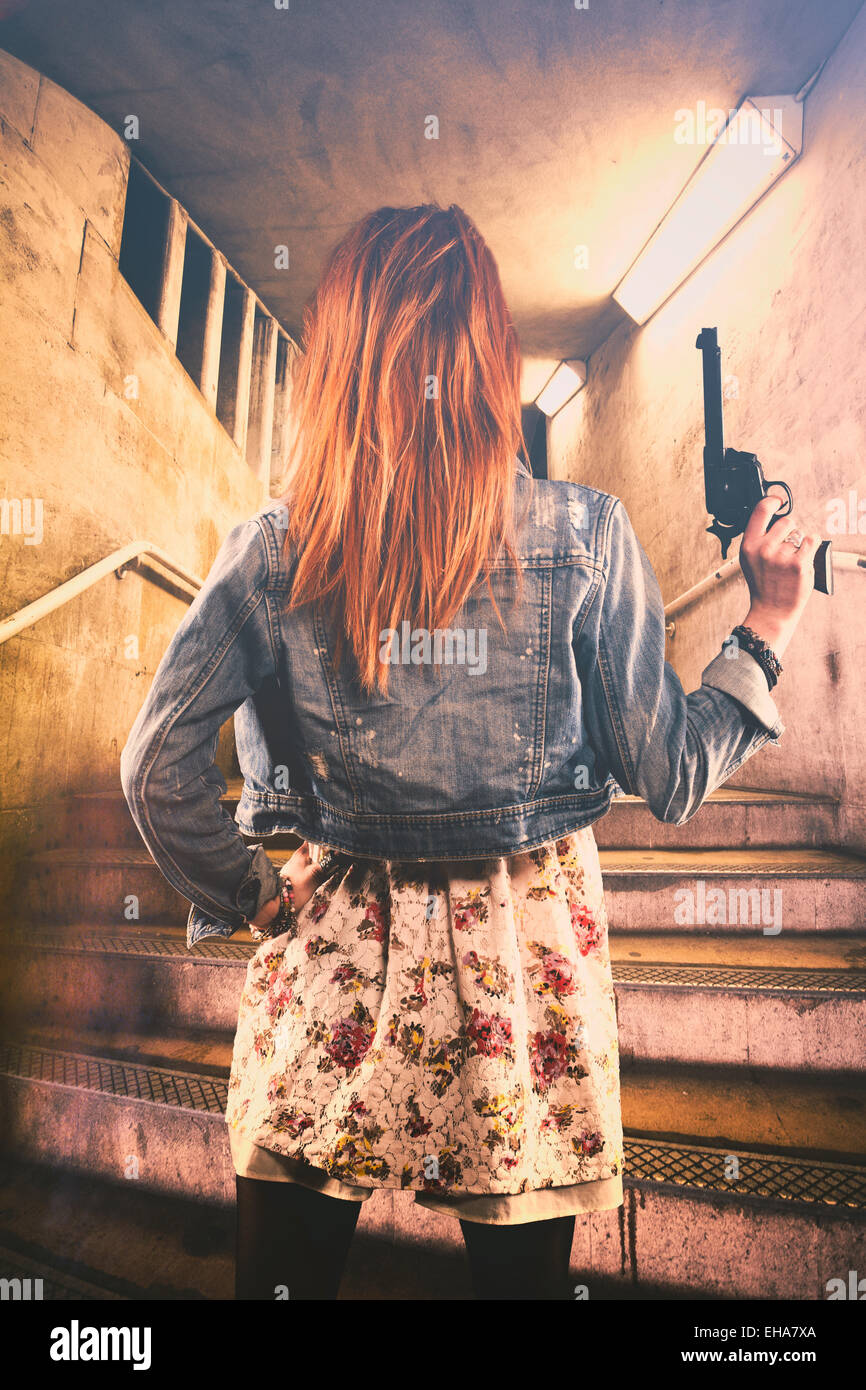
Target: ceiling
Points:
(282, 126)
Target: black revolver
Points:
(734, 482)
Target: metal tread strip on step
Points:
(675, 974)
(755, 977)
(130, 1080)
(699, 862)
(108, 945)
(812, 1181)
(758, 1174)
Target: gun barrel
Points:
(714, 446)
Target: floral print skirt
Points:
(448, 1028)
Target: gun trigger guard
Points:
(790, 507)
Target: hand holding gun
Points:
(734, 481)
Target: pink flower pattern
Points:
(377, 1037)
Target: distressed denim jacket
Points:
(487, 742)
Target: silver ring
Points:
(793, 538)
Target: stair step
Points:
(731, 815)
(798, 1002)
(795, 1001)
(88, 1238)
(101, 819)
(797, 863)
(689, 1206)
(92, 1239)
(786, 953)
(202, 1053)
(746, 1109)
(42, 1280)
(764, 890)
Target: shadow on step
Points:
(98, 1240)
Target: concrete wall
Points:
(787, 290)
(103, 425)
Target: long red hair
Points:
(406, 406)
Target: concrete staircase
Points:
(742, 1035)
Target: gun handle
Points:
(823, 563)
(823, 559)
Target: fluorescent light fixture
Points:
(745, 159)
(565, 383)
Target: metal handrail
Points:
(140, 555)
(842, 560)
(143, 555)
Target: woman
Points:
(431, 1008)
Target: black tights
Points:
(529, 1261)
(293, 1242)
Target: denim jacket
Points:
(487, 742)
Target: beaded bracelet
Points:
(284, 918)
(763, 654)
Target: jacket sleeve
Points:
(219, 656)
(671, 749)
